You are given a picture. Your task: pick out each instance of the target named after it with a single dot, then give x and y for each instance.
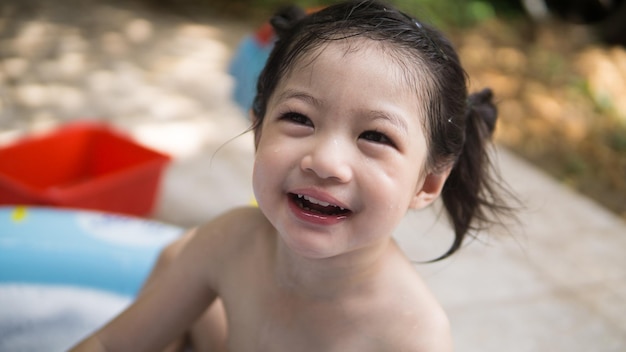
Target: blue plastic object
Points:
(96, 250)
(246, 65)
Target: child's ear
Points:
(430, 190)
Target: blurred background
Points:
(161, 71)
(558, 69)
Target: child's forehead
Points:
(406, 68)
(352, 46)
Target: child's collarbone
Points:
(306, 325)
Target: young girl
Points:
(361, 114)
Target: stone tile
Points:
(554, 322)
(607, 300)
(481, 274)
(585, 257)
(550, 208)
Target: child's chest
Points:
(270, 321)
(283, 325)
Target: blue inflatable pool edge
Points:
(96, 250)
(64, 273)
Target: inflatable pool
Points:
(63, 273)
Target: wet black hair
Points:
(458, 126)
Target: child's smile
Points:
(341, 150)
(316, 210)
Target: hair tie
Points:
(481, 105)
(286, 18)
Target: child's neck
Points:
(330, 277)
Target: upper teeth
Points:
(317, 201)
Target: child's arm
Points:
(166, 308)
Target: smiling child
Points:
(361, 114)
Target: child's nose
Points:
(328, 159)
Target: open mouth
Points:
(315, 206)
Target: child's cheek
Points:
(262, 173)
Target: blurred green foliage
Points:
(441, 13)
(457, 14)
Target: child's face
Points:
(341, 151)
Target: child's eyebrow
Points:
(390, 117)
(299, 95)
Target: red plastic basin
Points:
(82, 165)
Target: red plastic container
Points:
(82, 165)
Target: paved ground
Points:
(556, 282)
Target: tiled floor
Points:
(555, 282)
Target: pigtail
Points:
(471, 195)
(285, 18)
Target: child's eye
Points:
(377, 137)
(297, 118)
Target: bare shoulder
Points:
(230, 236)
(413, 318)
(231, 230)
(429, 332)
